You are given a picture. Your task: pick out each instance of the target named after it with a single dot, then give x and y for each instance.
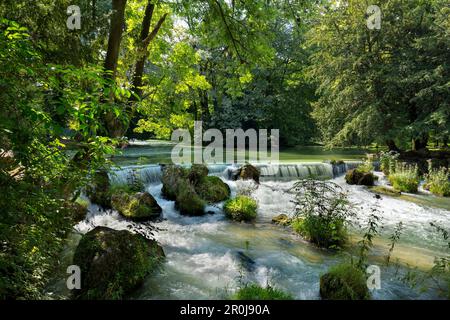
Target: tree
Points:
(381, 85)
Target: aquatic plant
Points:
(254, 291)
(322, 212)
(241, 208)
(437, 181)
(388, 161)
(405, 178)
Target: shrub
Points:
(322, 212)
(366, 166)
(405, 178)
(388, 161)
(241, 208)
(256, 292)
(344, 282)
(437, 181)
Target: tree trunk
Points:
(392, 146)
(114, 126)
(420, 143)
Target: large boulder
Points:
(197, 173)
(344, 282)
(249, 172)
(188, 201)
(113, 263)
(172, 177)
(98, 190)
(357, 177)
(137, 207)
(212, 189)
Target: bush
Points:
(322, 212)
(405, 178)
(388, 161)
(256, 292)
(326, 233)
(437, 181)
(241, 208)
(344, 282)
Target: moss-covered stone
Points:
(385, 191)
(113, 262)
(98, 190)
(282, 220)
(197, 173)
(344, 282)
(188, 201)
(80, 209)
(137, 207)
(172, 177)
(212, 189)
(248, 172)
(357, 177)
(241, 208)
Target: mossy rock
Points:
(113, 263)
(256, 292)
(79, 210)
(241, 208)
(356, 177)
(197, 173)
(212, 189)
(137, 207)
(98, 190)
(385, 191)
(249, 172)
(344, 282)
(188, 201)
(282, 220)
(172, 177)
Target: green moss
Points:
(359, 177)
(385, 191)
(187, 200)
(172, 177)
(114, 262)
(344, 282)
(197, 173)
(241, 208)
(138, 207)
(212, 189)
(256, 292)
(325, 232)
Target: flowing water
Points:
(208, 257)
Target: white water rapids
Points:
(207, 257)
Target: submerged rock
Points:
(344, 282)
(246, 262)
(113, 262)
(212, 189)
(282, 220)
(356, 177)
(138, 207)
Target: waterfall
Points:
(127, 175)
(296, 171)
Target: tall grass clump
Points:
(388, 161)
(437, 181)
(405, 178)
(322, 212)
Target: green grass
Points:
(324, 232)
(256, 292)
(344, 282)
(405, 178)
(241, 208)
